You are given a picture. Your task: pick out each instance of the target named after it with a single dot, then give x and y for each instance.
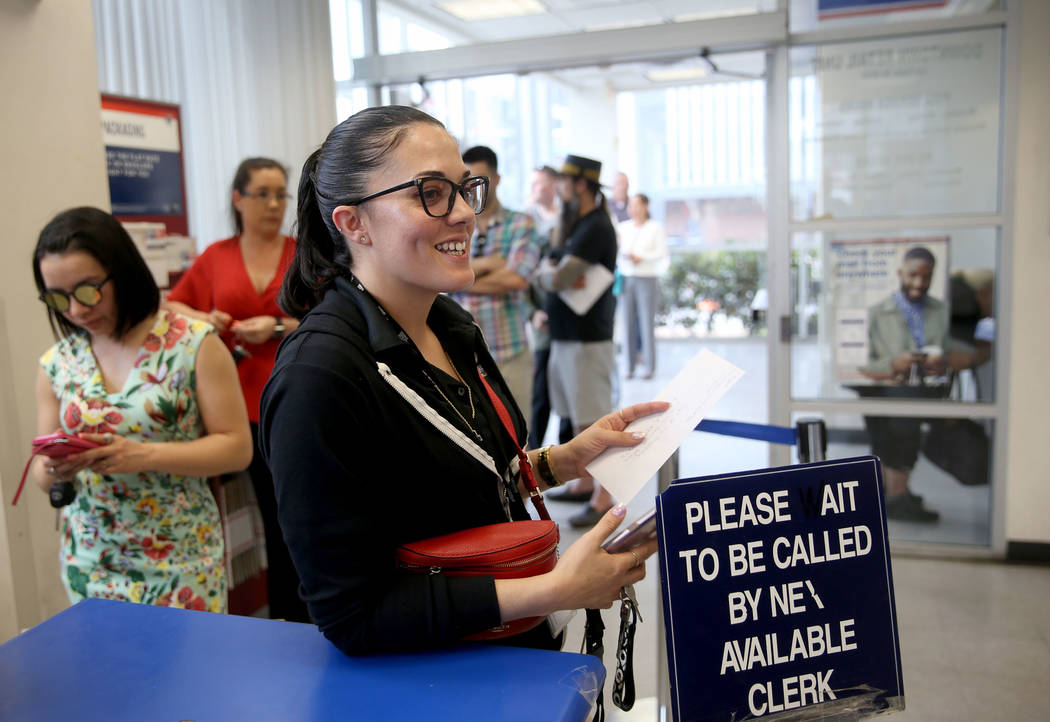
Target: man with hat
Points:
(582, 358)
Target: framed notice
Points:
(143, 142)
(778, 594)
(903, 127)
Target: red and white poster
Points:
(143, 142)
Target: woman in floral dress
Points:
(159, 392)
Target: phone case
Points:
(639, 532)
(54, 446)
(58, 445)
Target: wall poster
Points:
(861, 274)
(143, 142)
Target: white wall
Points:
(1028, 461)
(53, 159)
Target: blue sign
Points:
(778, 593)
(827, 9)
(144, 182)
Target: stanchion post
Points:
(812, 440)
(667, 473)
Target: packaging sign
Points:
(144, 161)
(778, 594)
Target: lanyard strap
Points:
(524, 467)
(594, 644)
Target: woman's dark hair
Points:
(334, 175)
(100, 235)
(645, 202)
(243, 177)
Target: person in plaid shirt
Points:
(505, 251)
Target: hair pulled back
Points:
(336, 174)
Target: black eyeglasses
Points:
(86, 294)
(438, 195)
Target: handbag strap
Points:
(524, 466)
(22, 483)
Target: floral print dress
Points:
(149, 537)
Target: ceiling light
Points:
(471, 10)
(677, 74)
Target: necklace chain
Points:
(470, 396)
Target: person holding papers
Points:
(376, 423)
(582, 357)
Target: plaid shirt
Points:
(502, 317)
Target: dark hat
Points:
(579, 167)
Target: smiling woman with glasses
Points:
(376, 423)
(233, 285)
(157, 392)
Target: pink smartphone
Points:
(59, 444)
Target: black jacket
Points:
(361, 465)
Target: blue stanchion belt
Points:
(761, 432)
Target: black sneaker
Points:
(586, 518)
(566, 495)
(908, 507)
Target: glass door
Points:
(895, 236)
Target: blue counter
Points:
(114, 661)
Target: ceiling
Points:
(575, 16)
(562, 17)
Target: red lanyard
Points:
(524, 467)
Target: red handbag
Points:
(510, 550)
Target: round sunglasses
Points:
(86, 294)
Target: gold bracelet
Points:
(543, 465)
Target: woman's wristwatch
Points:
(278, 327)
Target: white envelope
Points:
(692, 393)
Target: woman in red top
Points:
(233, 285)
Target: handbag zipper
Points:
(500, 565)
(529, 560)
